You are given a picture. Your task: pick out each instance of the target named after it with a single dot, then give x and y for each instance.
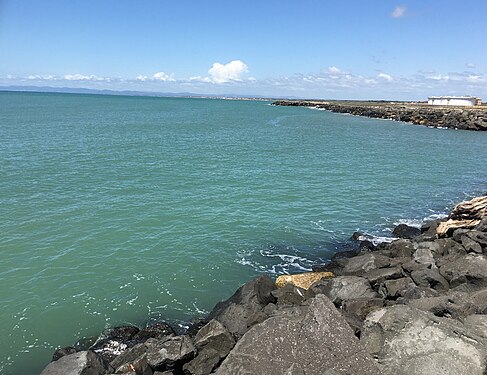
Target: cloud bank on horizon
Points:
(342, 51)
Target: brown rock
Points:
(302, 280)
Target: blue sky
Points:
(379, 49)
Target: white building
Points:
(454, 100)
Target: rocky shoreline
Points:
(417, 305)
(464, 118)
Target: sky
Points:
(355, 49)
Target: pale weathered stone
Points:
(302, 280)
(80, 363)
(408, 341)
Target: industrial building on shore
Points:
(462, 101)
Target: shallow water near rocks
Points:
(118, 210)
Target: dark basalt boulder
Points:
(138, 366)
(378, 276)
(471, 245)
(402, 248)
(129, 356)
(430, 278)
(361, 264)
(246, 307)
(61, 352)
(203, 364)
(170, 352)
(115, 341)
(215, 336)
(393, 289)
(156, 331)
(80, 363)
(289, 295)
(470, 268)
(448, 246)
(406, 231)
(482, 226)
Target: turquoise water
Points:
(119, 210)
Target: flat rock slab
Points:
(470, 268)
(81, 363)
(408, 341)
(344, 288)
(320, 342)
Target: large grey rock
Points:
(425, 253)
(156, 330)
(408, 341)
(80, 363)
(215, 336)
(344, 288)
(430, 278)
(363, 263)
(482, 226)
(289, 294)
(361, 307)
(419, 292)
(477, 323)
(246, 307)
(447, 246)
(203, 363)
(470, 244)
(129, 355)
(380, 275)
(470, 268)
(400, 248)
(137, 366)
(319, 342)
(448, 251)
(428, 230)
(393, 289)
(165, 354)
(479, 237)
(61, 352)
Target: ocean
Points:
(125, 210)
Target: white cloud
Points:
(385, 77)
(200, 79)
(81, 77)
(37, 77)
(161, 76)
(470, 65)
(141, 78)
(232, 71)
(399, 11)
(438, 77)
(334, 71)
(475, 79)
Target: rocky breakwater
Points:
(417, 305)
(464, 118)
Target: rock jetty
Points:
(464, 118)
(417, 305)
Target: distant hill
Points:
(73, 90)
